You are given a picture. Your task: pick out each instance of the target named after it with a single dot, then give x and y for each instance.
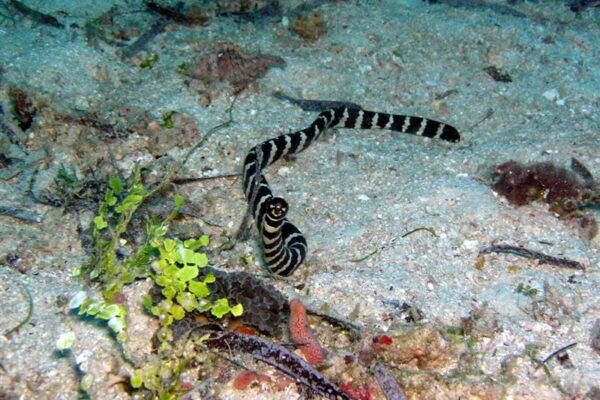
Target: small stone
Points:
(551, 94)
(470, 244)
(154, 126)
(283, 171)
(480, 262)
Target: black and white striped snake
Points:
(284, 245)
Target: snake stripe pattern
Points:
(284, 245)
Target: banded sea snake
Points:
(284, 245)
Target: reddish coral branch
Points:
(246, 378)
(303, 335)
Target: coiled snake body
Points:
(284, 245)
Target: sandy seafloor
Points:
(355, 191)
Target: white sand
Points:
(357, 191)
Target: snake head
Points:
(277, 207)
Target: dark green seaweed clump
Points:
(265, 309)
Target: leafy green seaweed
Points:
(173, 265)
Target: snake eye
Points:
(277, 208)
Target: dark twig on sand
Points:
(315, 105)
(185, 181)
(349, 326)
(421, 228)
(544, 366)
(34, 15)
(156, 29)
(20, 213)
(176, 15)
(9, 332)
(557, 352)
(387, 382)
(212, 130)
(581, 170)
(541, 257)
